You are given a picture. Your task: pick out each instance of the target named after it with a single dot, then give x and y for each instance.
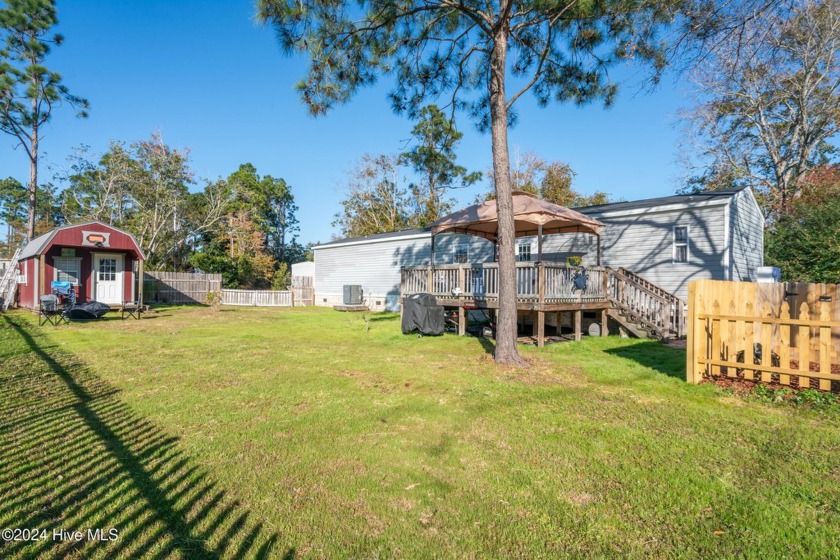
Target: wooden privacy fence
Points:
(303, 288)
(258, 298)
(179, 287)
(788, 333)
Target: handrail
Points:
(640, 286)
(671, 315)
(645, 282)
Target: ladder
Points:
(8, 284)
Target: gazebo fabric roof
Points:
(529, 212)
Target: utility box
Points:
(352, 294)
(768, 274)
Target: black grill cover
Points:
(89, 310)
(422, 313)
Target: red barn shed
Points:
(101, 261)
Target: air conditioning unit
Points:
(768, 274)
(352, 294)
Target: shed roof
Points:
(42, 243)
(660, 201)
(721, 195)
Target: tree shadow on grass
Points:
(488, 344)
(656, 356)
(75, 457)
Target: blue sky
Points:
(211, 79)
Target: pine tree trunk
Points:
(506, 327)
(33, 184)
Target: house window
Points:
(67, 269)
(523, 252)
(462, 253)
(681, 244)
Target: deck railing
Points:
(647, 302)
(542, 283)
(534, 282)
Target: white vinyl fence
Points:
(257, 298)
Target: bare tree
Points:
(377, 198)
(769, 101)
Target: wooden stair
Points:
(644, 309)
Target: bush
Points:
(214, 299)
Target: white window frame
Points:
(687, 245)
(461, 247)
(77, 260)
(521, 245)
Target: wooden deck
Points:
(550, 287)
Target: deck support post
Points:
(578, 332)
(598, 250)
(604, 323)
(462, 320)
(540, 329)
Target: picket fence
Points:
(786, 334)
(258, 298)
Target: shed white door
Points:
(108, 278)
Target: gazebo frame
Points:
(541, 287)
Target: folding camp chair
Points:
(131, 309)
(51, 311)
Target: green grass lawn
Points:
(301, 433)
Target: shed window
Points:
(462, 253)
(523, 252)
(681, 244)
(67, 269)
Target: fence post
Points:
(804, 347)
(825, 345)
(690, 360)
(784, 343)
(766, 343)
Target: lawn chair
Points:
(131, 309)
(52, 311)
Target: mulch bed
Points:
(740, 383)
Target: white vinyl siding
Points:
(746, 233)
(641, 240)
(376, 265)
(643, 243)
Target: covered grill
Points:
(421, 313)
